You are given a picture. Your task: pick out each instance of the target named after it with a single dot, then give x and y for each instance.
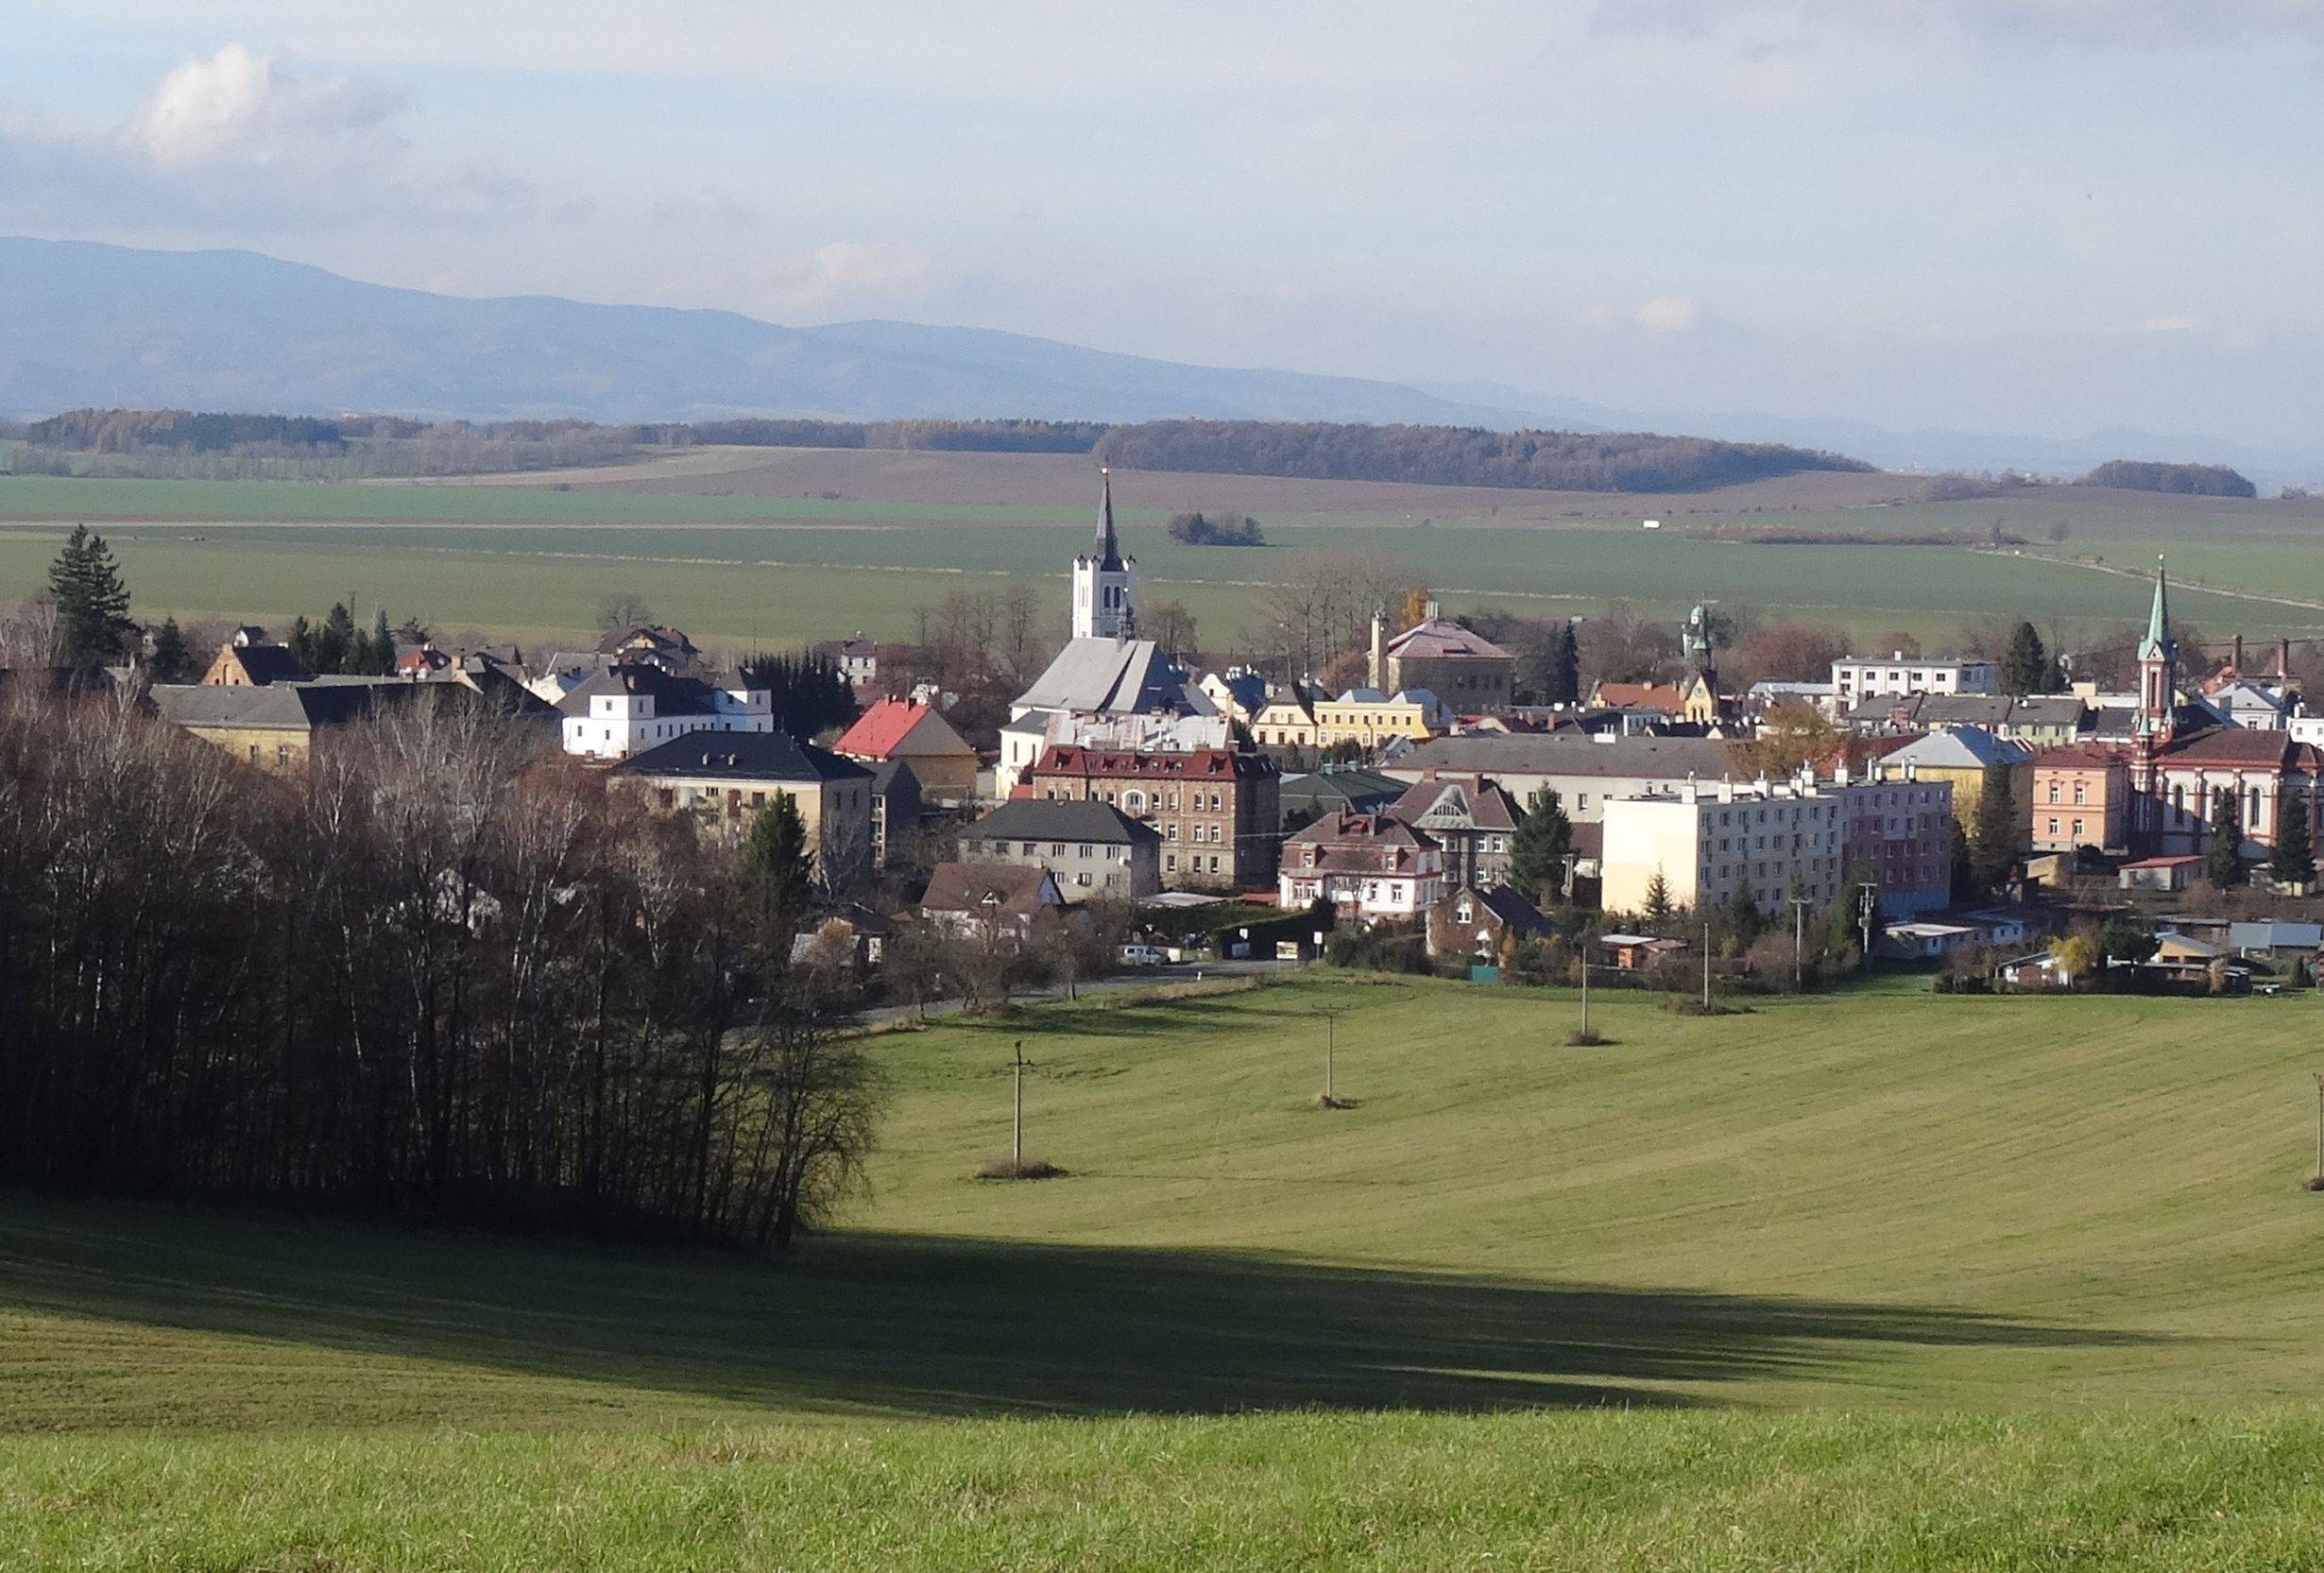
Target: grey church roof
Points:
(1120, 676)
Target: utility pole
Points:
(1016, 1117)
(1331, 1057)
(1799, 937)
(2319, 1127)
(1585, 994)
(1867, 908)
(1706, 969)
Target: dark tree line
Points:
(1455, 456)
(336, 645)
(2178, 480)
(809, 694)
(442, 976)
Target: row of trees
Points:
(2179, 479)
(810, 695)
(442, 975)
(1455, 456)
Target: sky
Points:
(2047, 216)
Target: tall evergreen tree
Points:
(1658, 904)
(2223, 863)
(1992, 846)
(781, 868)
(335, 648)
(383, 645)
(173, 663)
(92, 604)
(2026, 666)
(2292, 860)
(1537, 852)
(1563, 686)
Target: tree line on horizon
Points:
(200, 445)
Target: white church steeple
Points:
(1105, 582)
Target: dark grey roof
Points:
(279, 706)
(891, 776)
(1060, 819)
(742, 757)
(1573, 754)
(270, 663)
(672, 696)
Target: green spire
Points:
(2159, 644)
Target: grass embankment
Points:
(2056, 1211)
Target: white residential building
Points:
(627, 709)
(1857, 677)
(1777, 839)
(1369, 865)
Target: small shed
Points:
(1635, 952)
(2171, 874)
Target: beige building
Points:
(1465, 670)
(726, 780)
(1287, 720)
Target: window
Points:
(2077, 829)
(2054, 793)
(2077, 794)
(2053, 831)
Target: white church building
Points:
(1105, 673)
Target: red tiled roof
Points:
(2237, 745)
(2079, 756)
(1204, 764)
(881, 728)
(1640, 696)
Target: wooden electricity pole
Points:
(1017, 1116)
(1331, 1056)
(1585, 994)
(2319, 1127)
(1706, 969)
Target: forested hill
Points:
(1456, 455)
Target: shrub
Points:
(1585, 1038)
(1019, 1169)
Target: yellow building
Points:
(1367, 716)
(726, 779)
(1287, 720)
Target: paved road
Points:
(1141, 978)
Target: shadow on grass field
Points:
(125, 1316)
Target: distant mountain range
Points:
(92, 325)
(110, 326)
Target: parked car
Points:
(1143, 955)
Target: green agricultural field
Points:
(1885, 1281)
(775, 583)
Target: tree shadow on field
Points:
(934, 1326)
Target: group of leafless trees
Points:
(442, 975)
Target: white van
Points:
(1143, 955)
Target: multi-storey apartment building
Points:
(1218, 811)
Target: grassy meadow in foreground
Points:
(1885, 1281)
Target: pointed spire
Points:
(1109, 546)
(2158, 645)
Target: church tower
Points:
(1105, 582)
(2158, 665)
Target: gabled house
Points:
(248, 660)
(1473, 921)
(1470, 817)
(990, 901)
(1092, 848)
(917, 734)
(1367, 864)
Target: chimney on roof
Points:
(2236, 660)
(2283, 657)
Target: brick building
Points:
(1218, 811)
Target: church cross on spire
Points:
(1109, 545)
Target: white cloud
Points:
(1666, 313)
(2167, 325)
(247, 105)
(251, 137)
